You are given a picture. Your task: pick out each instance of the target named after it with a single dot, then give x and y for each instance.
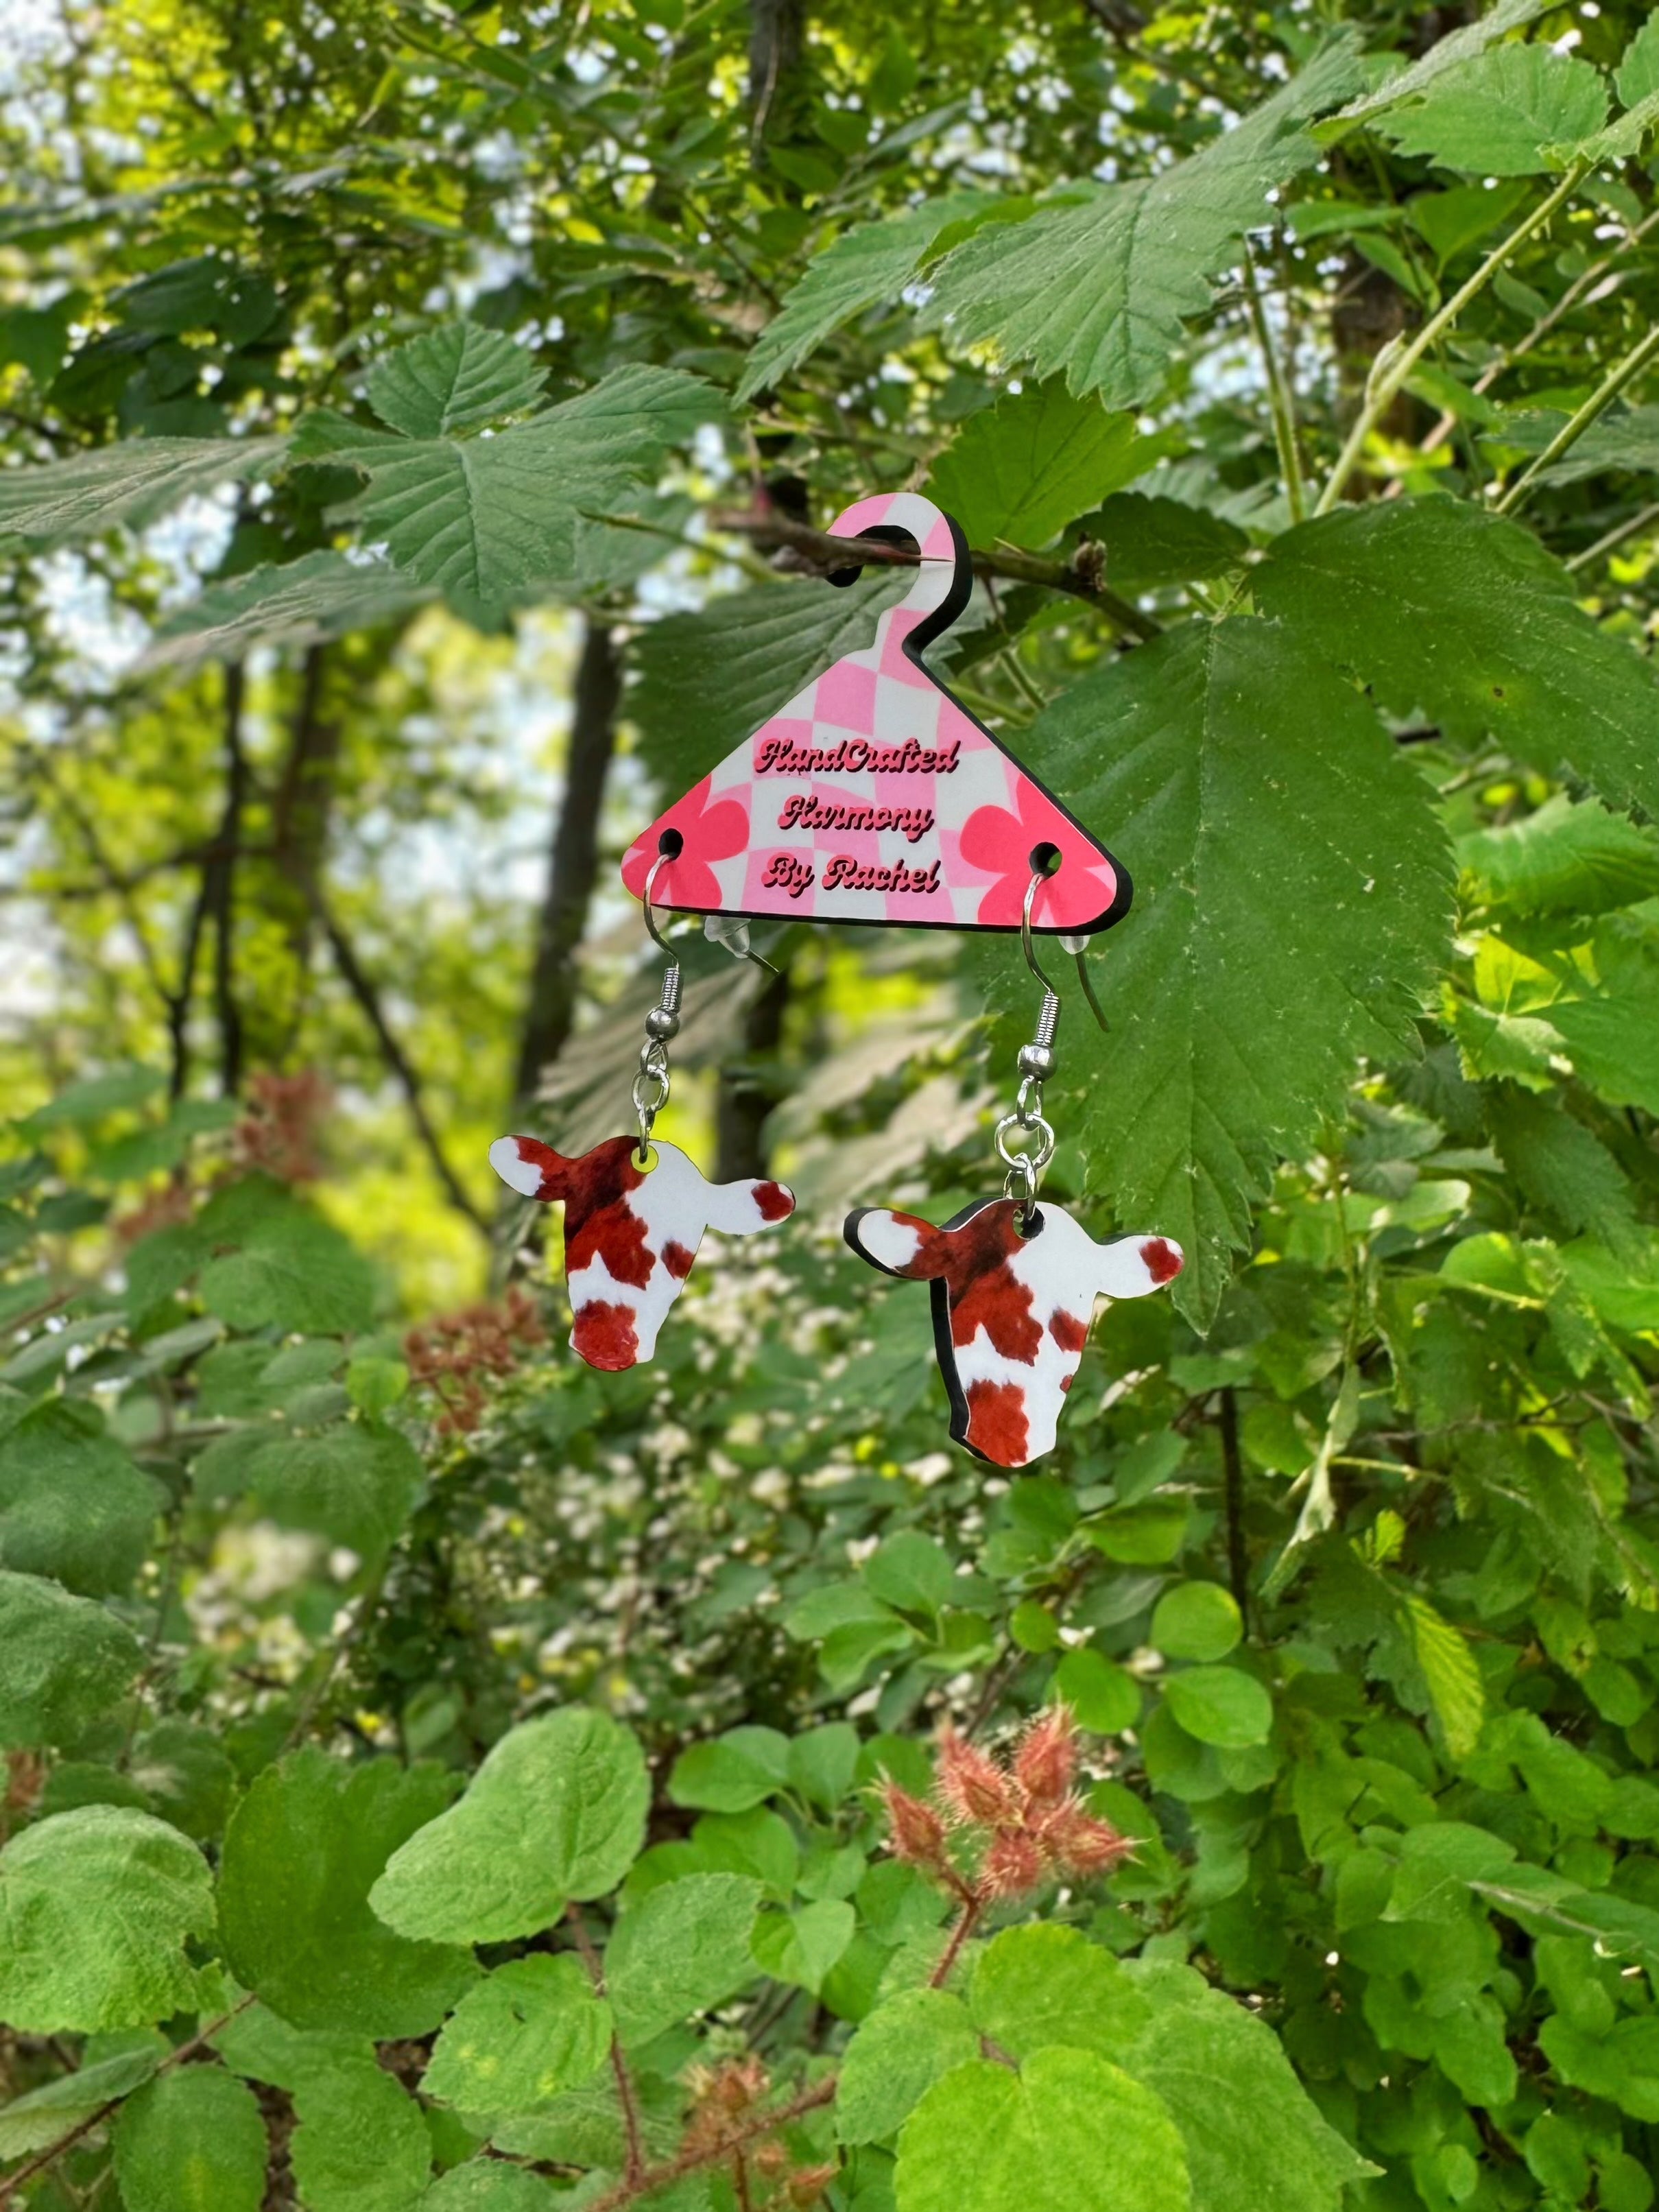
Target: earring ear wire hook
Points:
(651, 928)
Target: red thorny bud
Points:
(1046, 1762)
(808, 2184)
(721, 2099)
(917, 1832)
(278, 1133)
(452, 1353)
(974, 1787)
(1012, 1864)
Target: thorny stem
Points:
(692, 2162)
(36, 2166)
(1621, 373)
(1381, 394)
(633, 2164)
(973, 1906)
(1280, 398)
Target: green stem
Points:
(1613, 538)
(1279, 396)
(1599, 400)
(1380, 396)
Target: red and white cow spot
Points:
(631, 1233)
(1011, 1313)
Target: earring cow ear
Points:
(1014, 1290)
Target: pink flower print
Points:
(712, 829)
(1002, 844)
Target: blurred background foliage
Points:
(416, 422)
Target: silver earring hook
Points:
(651, 1085)
(651, 928)
(1038, 878)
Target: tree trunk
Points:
(746, 1095)
(552, 1010)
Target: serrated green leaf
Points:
(63, 1662)
(899, 2051)
(1022, 470)
(804, 1946)
(1097, 291)
(1450, 1670)
(557, 1811)
(130, 482)
(361, 2144)
(72, 1505)
(1152, 541)
(1561, 1168)
(1250, 980)
(1241, 2111)
(82, 1105)
(743, 1767)
(291, 1270)
(1067, 2133)
(1497, 113)
(44, 2115)
(193, 2142)
(1465, 618)
(704, 681)
(528, 2032)
(488, 2185)
(1627, 441)
(96, 1906)
(1564, 859)
(454, 377)
(1038, 1986)
(321, 595)
(680, 1950)
(1447, 54)
(493, 520)
(302, 1852)
(863, 268)
(355, 1484)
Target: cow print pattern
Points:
(1010, 1312)
(631, 1233)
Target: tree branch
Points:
(1082, 577)
(1621, 373)
(675, 2169)
(358, 982)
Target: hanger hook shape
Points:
(651, 928)
(1037, 879)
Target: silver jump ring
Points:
(1041, 1153)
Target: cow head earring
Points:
(635, 1210)
(1014, 1284)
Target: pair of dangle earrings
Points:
(873, 797)
(1014, 1285)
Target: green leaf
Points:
(681, 1950)
(529, 2032)
(193, 2142)
(1446, 54)
(803, 1947)
(82, 1105)
(291, 1270)
(897, 2054)
(187, 1777)
(912, 1572)
(303, 1850)
(557, 1811)
(1637, 74)
(1498, 113)
(1451, 1672)
(1248, 983)
(454, 377)
(1104, 1696)
(1628, 441)
(1222, 1705)
(741, 1768)
(862, 268)
(1564, 859)
(488, 2185)
(1152, 541)
(67, 503)
(1037, 1986)
(361, 2144)
(1067, 2133)
(356, 1486)
(1024, 469)
(823, 1762)
(705, 681)
(1240, 2108)
(1561, 1168)
(262, 2046)
(1143, 1534)
(30, 2123)
(66, 1661)
(1465, 618)
(1098, 288)
(1196, 1621)
(493, 520)
(321, 595)
(97, 1905)
(72, 1505)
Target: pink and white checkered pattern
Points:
(967, 868)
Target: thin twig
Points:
(36, 2166)
(359, 983)
(1232, 1475)
(973, 1906)
(633, 2164)
(692, 2162)
(1381, 393)
(1280, 399)
(1621, 373)
(1614, 537)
